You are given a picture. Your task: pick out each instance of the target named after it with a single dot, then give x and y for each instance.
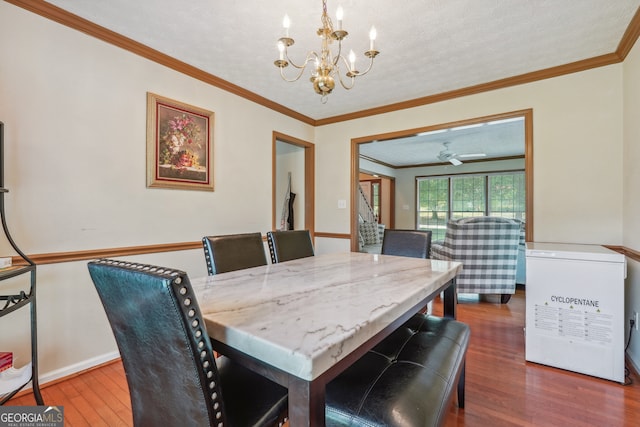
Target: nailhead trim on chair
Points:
(184, 292)
(207, 257)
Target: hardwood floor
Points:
(99, 397)
(501, 388)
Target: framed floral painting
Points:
(179, 145)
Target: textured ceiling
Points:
(427, 47)
(481, 141)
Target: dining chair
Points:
(173, 377)
(233, 252)
(409, 243)
(289, 244)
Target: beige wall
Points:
(577, 133)
(631, 184)
(74, 109)
(631, 153)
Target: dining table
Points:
(302, 322)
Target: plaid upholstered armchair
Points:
(488, 250)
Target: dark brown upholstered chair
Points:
(288, 245)
(409, 243)
(174, 379)
(233, 252)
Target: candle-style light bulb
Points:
(339, 15)
(372, 37)
(286, 23)
(352, 60)
(281, 49)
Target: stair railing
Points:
(364, 208)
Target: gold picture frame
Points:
(179, 145)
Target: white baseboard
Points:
(75, 368)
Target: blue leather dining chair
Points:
(233, 252)
(174, 379)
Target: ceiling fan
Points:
(447, 155)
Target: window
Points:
(462, 196)
(433, 205)
(507, 195)
(468, 196)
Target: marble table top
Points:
(303, 316)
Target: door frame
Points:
(528, 161)
(390, 223)
(309, 179)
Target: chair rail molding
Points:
(60, 257)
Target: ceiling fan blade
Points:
(455, 162)
(472, 155)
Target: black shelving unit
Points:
(11, 303)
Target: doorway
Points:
(379, 193)
(293, 161)
(445, 154)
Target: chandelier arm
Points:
(345, 61)
(295, 78)
(342, 83)
(339, 54)
(368, 68)
(310, 56)
(351, 79)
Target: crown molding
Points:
(629, 37)
(574, 67)
(422, 165)
(75, 22)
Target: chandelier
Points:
(325, 65)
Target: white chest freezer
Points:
(575, 308)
